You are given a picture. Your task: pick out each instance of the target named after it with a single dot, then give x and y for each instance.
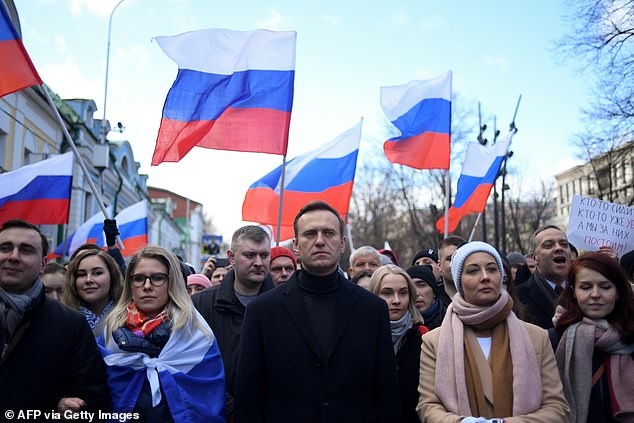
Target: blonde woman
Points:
(93, 286)
(396, 288)
(162, 358)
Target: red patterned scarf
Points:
(140, 323)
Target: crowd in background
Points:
(461, 333)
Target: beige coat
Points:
(554, 408)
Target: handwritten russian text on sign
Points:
(595, 223)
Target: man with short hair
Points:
(223, 306)
(317, 348)
(283, 264)
(551, 251)
(49, 360)
(446, 248)
(365, 257)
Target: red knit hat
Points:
(282, 251)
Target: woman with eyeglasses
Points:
(93, 286)
(163, 360)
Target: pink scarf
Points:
(450, 380)
(574, 359)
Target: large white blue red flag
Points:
(234, 91)
(188, 371)
(16, 69)
(324, 174)
(480, 169)
(39, 192)
(133, 231)
(421, 110)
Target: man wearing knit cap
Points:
(428, 257)
(427, 301)
(317, 348)
(283, 264)
(516, 259)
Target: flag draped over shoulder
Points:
(133, 232)
(421, 110)
(16, 69)
(188, 371)
(324, 174)
(479, 172)
(39, 192)
(234, 91)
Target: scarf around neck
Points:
(91, 317)
(450, 377)
(399, 328)
(140, 323)
(14, 305)
(574, 360)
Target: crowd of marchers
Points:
(465, 333)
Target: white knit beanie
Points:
(460, 255)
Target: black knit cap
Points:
(430, 252)
(425, 273)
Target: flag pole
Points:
(474, 226)
(279, 209)
(447, 195)
(73, 147)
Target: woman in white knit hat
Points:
(483, 364)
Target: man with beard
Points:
(317, 348)
(223, 306)
(551, 251)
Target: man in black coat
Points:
(318, 348)
(49, 361)
(223, 306)
(551, 251)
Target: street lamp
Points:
(105, 94)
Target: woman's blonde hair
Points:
(71, 296)
(392, 269)
(179, 308)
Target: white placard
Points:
(594, 223)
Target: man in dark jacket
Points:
(49, 360)
(223, 306)
(318, 348)
(551, 251)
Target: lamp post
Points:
(105, 94)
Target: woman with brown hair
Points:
(93, 285)
(595, 351)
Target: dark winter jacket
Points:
(408, 364)
(51, 355)
(224, 313)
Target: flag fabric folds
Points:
(421, 110)
(233, 91)
(479, 171)
(326, 173)
(133, 231)
(16, 69)
(38, 193)
(188, 371)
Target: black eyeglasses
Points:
(156, 279)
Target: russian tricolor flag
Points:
(324, 174)
(479, 172)
(234, 91)
(16, 69)
(38, 193)
(421, 110)
(133, 228)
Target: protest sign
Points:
(595, 223)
